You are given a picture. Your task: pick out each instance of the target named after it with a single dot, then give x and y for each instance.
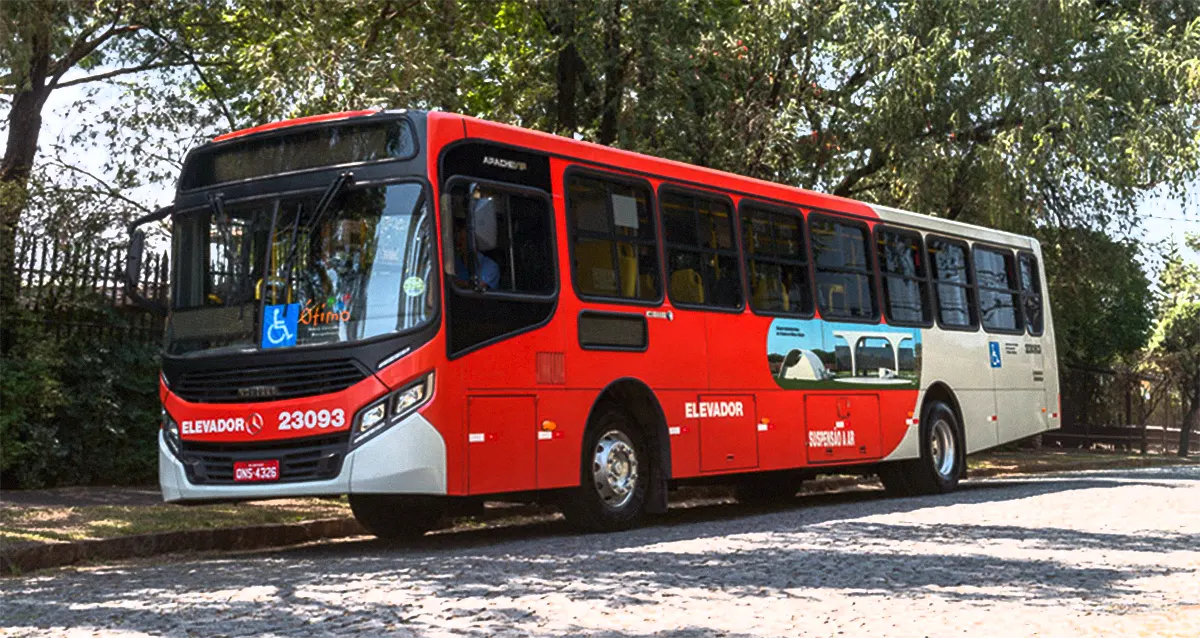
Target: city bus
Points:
(425, 311)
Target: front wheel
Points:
(615, 475)
(940, 464)
(397, 516)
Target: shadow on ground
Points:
(813, 543)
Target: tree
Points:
(1100, 296)
(1175, 347)
(52, 45)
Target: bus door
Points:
(501, 290)
(1018, 398)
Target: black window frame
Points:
(1041, 294)
(667, 188)
(969, 287)
(1018, 313)
(804, 261)
(872, 271)
(924, 281)
(576, 170)
(532, 193)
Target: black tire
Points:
(942, 456)
(397, 516)
(596, 506)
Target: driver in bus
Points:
(488, 269)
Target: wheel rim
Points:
(941, 448)
(615, 469)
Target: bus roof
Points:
(661, 168)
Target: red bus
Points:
(424, 311)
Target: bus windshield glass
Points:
(360, 270)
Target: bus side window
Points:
(845, 279)
(702, 260)
(952, 284)
(614, 241)
(998, 290)
(776, 260)
(905, 281)
(512, 232)
(1031, 293)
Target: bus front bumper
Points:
(407, 458)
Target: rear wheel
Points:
(940, 464)
(397, 516)
(615, 474)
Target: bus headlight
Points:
(170, 433)
(392, 409)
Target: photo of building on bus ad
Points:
(810, 354)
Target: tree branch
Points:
(109, 189)
(108, 75)
(874, 164)
(83, 48)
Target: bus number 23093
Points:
(309, 419)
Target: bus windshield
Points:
(360, 270)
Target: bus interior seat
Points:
(687, 286)
(628, 264)
(593, 261)
(836, 289)
(648, 290)
(768, 289)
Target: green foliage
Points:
(77, 411)
(1175, 346)
(1099, 294)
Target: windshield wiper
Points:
(335, 187)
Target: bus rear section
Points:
(450, 311)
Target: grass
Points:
(51, 524)
(59, 524)
(1046, 460)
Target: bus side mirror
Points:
(133, 261)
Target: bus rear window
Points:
(302, 150)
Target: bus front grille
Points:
(309, 459)
(267, 383)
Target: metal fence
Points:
(1119, 409)
(76, 290)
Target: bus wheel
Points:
(940, 464)
(397, 516)
(616, 475)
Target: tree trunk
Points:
(614, 79)
(1188, 422)
(567, 75)
(24, 126)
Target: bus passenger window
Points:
(702, 261)
(905, 285)
(845, 281)
(1031, 293)
(614, 243)
(998, 294)
(952, 284)
(776, 261)
(512, 245)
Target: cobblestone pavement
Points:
(1081, 554)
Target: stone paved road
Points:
(1082, 554)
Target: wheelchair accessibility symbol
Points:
(994, 353)
(279, 325)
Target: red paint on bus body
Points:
(488, 405)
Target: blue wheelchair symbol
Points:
(279, 325)
(994, 353)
